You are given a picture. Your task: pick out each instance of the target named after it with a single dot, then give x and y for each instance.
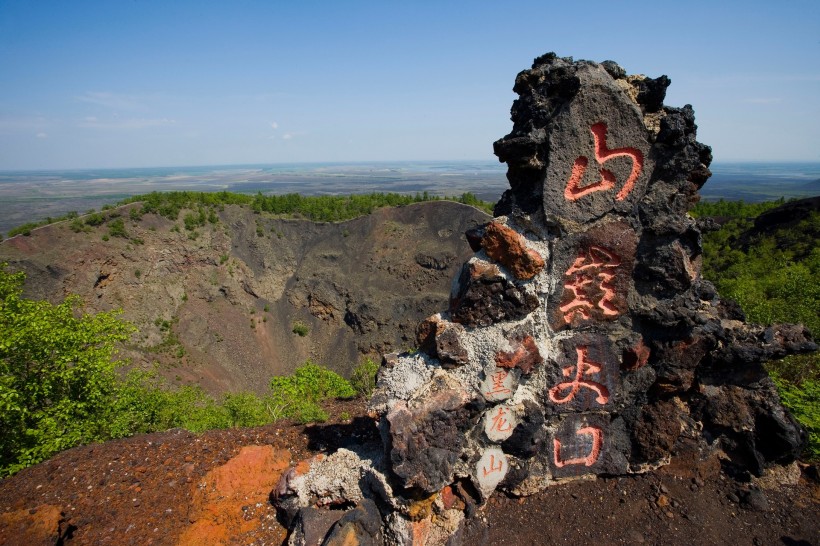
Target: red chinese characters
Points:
(500, 421)
(563, 393)
(575, 191)
(493, 465)
(589, 459)
(589, 283)
(498, 385)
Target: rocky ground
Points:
(180, 488)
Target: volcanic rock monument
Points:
(580, 340)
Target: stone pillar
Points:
(580, 339)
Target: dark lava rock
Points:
(485, 297)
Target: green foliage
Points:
(299, 396)
(324, 208)
(202, 207)
(803, 400)
(300, 328)
(117, 229)
(59, 387)
(94, 219)
(77, 226)
(56, 374)
(25, 229)
(776, 279)
(363, 379)
(733, 209)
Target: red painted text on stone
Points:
(563, 393)
(575, 191)
(592, 272)
(588, 460)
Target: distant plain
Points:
(28, 196)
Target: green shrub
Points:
(363, 379)
(77, 226)
(300, 328)
(300, 394)
(244, 409)
(803, 400)
(94, 219)
(57, 374)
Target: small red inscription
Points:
(498, 386)
(589, 460)
(574, 191)
(583, 367)
(493, 466)
(500, 423)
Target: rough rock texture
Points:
(581, 339)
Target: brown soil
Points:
(180, 488)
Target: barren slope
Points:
(219, 309)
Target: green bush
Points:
(57, 374)
(298, 396)
(300, 328)
(94, 219)
(117, 229)
(363, 379)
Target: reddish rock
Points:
(507, 247)
(449, 348)
(44, 525)
(636, 357)
(246, 479)
(450, 500)
(524, 356)
(426, 334)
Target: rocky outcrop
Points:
(580, 340)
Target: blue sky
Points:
(138, 83)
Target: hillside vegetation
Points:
(323, 208)
(60, 386)
(774, 274)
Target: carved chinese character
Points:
(498, 385)
(590, 458)
(574, 190)
(583, 367)
(499, 423)
(491, 468)
(590, 284)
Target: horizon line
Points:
(355, 162)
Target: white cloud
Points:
(112, 100)
(131, 123)
(287, 136)
(762, 101)
(274, 125)
(41, 135)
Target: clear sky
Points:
(139, 83)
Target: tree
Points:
(57, 374)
